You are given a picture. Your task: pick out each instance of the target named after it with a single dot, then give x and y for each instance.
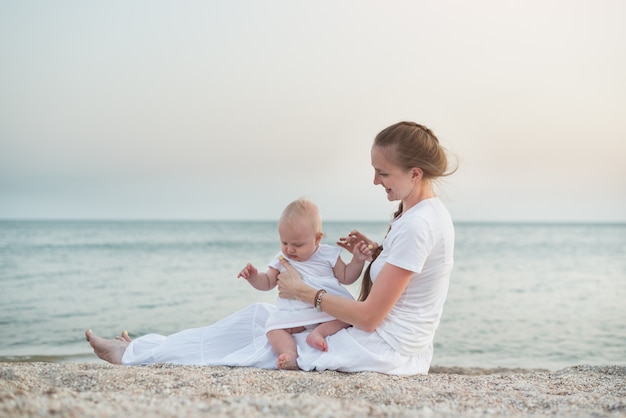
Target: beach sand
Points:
(103, 390)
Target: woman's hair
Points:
(408, 145)
(303, 208)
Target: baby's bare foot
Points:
(317, 340)
(108, 350)
(287, 361)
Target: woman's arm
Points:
(368, 314)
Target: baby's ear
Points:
(318, 237)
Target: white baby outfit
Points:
(318, 273)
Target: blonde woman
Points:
(393, 322)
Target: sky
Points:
(230, 109)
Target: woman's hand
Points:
(290, 284)
(355, 239)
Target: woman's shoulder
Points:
(429, 211)
(430, 218)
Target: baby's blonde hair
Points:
(303, 208)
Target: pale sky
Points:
(231, 109)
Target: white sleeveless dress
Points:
(318, 273)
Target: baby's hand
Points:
(248, 272)
(363, 252)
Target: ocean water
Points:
(521, 295)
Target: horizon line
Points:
(456, 221)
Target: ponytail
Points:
(366, 283)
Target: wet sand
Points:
(103, 390)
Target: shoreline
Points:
(102, 390)
(91, 358)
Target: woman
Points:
(394, 321)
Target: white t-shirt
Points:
(420, 240)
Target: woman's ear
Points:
(417, 173)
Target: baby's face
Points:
(298, 239)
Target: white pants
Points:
(239, 340)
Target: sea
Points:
(522, 295)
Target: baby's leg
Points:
(285, 346)
(317, 337)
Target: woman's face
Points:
(397, 181)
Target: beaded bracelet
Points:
(318, 299)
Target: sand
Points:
(101, 390)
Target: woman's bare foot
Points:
(108, 350)
(316, 340)
(123, 337)
(287, 361)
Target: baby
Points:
(321, 266)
